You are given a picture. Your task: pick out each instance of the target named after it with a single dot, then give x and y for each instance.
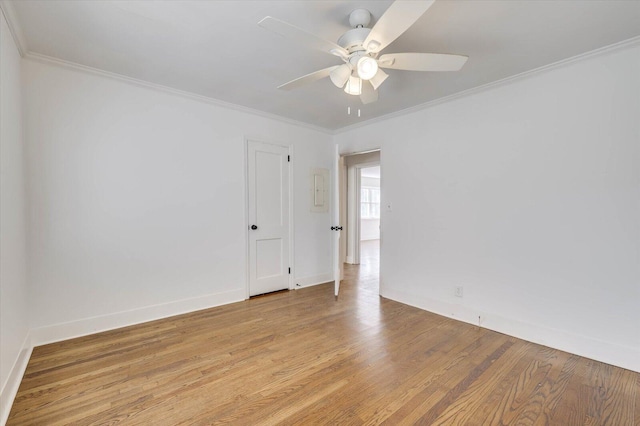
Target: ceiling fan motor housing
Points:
(352, 40)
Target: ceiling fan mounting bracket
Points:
(359, 18)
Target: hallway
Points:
(366, 275)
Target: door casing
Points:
(290, 148)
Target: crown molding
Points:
(37, 57)
(629, 43)
(14, 26)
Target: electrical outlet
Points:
(458, 291)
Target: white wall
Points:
(14, 321)
(527, 195)
(138, 201)
(369, 228)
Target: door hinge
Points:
(288, 158)
(289, 270)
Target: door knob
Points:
(254, 227)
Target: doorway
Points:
(361, 212)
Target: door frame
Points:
(290, 149)
(345, 200)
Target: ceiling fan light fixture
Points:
(373, 46)
(378, 79)
(340, 75)
(353, 86)
(367, 67)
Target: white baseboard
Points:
(10, 389)
(349, 260)
(86, 326)
(314, 280)
(599, 350)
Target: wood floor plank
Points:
(636, 402)
(455, 393)
(303, 358)
(554, 389)
(619, 394)
(526, 389)
(420, 385)
(367, 386)
(572, 409)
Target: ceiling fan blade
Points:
(302, 37)
(395, 21)
(309, 78)
(369, 94)
(422, 61)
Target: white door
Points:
(268, 191)
(336, 228)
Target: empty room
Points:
(320, 212)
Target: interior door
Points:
(337, 263)
(268, 192)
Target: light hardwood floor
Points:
(301, 357)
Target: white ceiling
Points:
(216, 49)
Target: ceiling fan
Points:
(361, 74)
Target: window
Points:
(370, 203)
